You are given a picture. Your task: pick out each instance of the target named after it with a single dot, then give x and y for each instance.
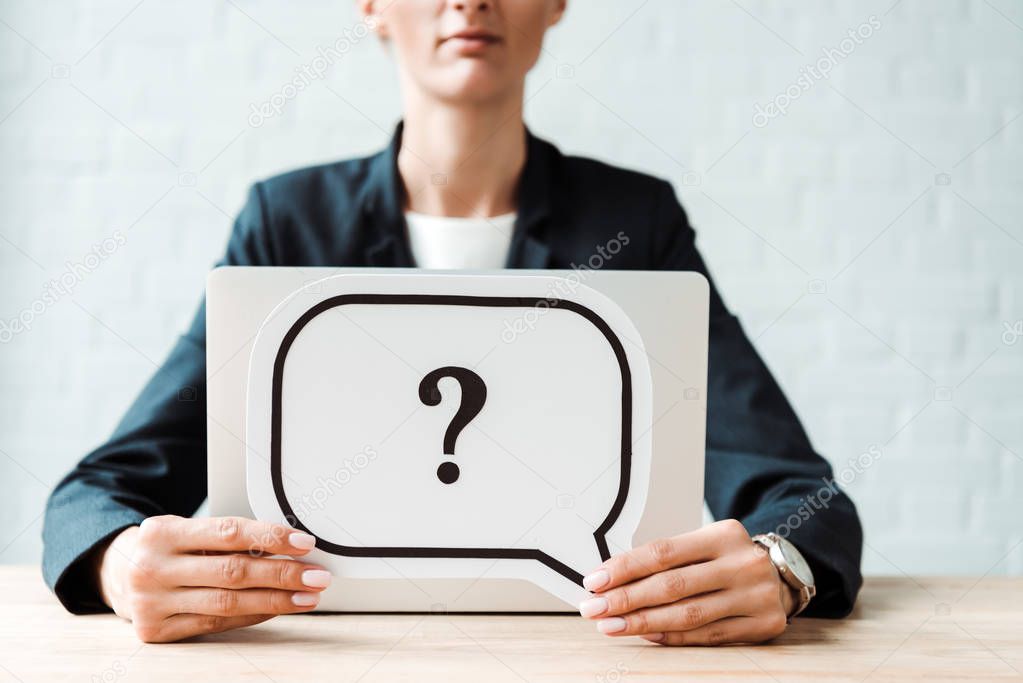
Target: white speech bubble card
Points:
(452, 426)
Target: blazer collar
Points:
(383, 206)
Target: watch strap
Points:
(769, 542)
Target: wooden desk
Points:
(902, 629)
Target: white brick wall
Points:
(107, 106)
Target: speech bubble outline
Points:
(625, 456)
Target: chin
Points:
(472, 81)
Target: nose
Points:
(470, 6)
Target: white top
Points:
(456, 243)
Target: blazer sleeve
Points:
(760, 467)
(155, 461)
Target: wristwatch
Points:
(791, 565)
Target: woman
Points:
(463, 184)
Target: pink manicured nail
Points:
(316, 578)
(305, 599)
(653, 637)
(612, 625)
(596, 580)
(302, 541)
(593, 607)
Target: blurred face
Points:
(464, 50)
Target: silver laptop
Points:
(668, 310)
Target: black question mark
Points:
(474, 395)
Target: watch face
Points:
(794, 559)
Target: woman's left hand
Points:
(708, 587)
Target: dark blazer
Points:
(761, 468)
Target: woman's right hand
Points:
(177, 577)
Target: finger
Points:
(224, 602)
(225, 534)
(181, 626)
(684, 615)
(696, 546)
(662, 588)
(730, 630)
(238, 571)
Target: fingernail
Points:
(593, 607)
(305, 599)
(612, 625)
(653, 637)
(316, 578)
(596, 580)
(302, 541)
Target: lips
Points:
(473, 37)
